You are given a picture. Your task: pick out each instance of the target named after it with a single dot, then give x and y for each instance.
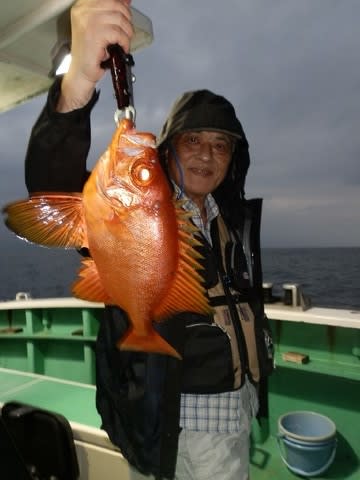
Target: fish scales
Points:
(141, 241)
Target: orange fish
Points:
(140, 239)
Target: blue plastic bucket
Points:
(307, 442)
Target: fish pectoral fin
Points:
(186, 292)
(89, 286)
(51, 220)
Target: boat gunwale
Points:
(336, 317)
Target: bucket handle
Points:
(298, 471)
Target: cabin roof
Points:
(31, 34)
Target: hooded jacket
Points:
(205, 110)
(138, 394)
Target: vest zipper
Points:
(212, 325)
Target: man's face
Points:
(204, 158)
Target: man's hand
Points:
(95, 24)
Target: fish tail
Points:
(152, 342)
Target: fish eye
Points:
(142, 174)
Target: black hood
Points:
(202, 110)
(205, 110)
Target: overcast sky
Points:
(290, 67)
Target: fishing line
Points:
(180, 170)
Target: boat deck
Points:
(76, 402)
(97, 457)
(48, 360)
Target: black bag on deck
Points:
(12, 465)
(44, 440)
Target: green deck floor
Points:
(77, 403)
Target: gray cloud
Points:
(291, 70)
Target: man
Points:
(190, 419)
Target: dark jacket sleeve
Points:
(58, 147)
(138, 395)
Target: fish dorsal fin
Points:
(186, 292)
(89, 286)
(49, 219)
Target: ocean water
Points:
(329, 276)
